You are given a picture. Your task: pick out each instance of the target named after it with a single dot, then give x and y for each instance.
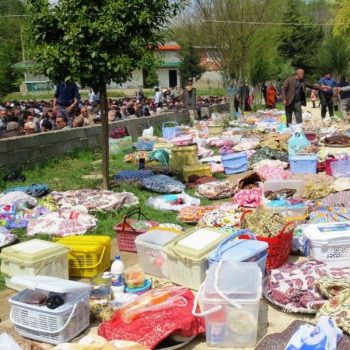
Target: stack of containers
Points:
(89, 254)
(187, 255)
(149, 250)
(34, 257)
(230, 298)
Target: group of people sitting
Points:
(29, 117)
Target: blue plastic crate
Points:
(235, 163)
(305, 164)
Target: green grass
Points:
(65, 174)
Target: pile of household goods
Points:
(281, 192)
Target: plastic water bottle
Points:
(117, 270)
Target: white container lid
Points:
(236, 280)
(50, 284)
(328, 231)
(156, 237)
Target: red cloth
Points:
(151, 328)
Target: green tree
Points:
(190, 63)
(334, 54)
(10, 43)
(299, 42)
(341, 16)
(97, 42)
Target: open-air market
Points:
(169, 183)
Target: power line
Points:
(276, 23)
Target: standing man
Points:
(343, 89)
(327, 83)
(293, 96)
(67, 95)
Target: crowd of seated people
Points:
(34, 116)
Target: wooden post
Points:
(105, 137)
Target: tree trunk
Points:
(104, 139)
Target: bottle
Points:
(142, 163)
(117, 271)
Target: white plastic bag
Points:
(148, 132)
(8, 343)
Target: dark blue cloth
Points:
(66, 93)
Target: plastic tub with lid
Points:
(230, 298)
(329, 242)
(240, 250)
(149, 250)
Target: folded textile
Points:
(277, 341)
(295, 285)
(272, 173)
(268, 153)
(338, 308)
(341, 184)
(228, 219)
(95, 200)
(270, 162)
(150, 328)
(18, 197)
(35, 190)
(217, 189)
(193, 213)
(174, 202)
(65, 223)
(250, 198)
(133, 174)
(163, 184)
(324, 336)
(340, 199)
(324, 214)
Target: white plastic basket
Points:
(186, 272)
(56, 326)
(329, 242)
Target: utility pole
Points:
(23, 54)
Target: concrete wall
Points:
(20, 151)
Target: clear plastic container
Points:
(134, 277)
(341, 168)
(230, 298)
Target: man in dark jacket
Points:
(294, 96)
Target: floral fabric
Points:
(217, 189)
(95, 200)
(272, 173)
(295, 285)
(250, 198)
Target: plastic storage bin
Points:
(215, 129)
(235, 163)
(276, 185)
(230, 297)
(169, 130)
(303, 164)
(53, 326)
(340, 168)
(149, 250)
(241, 250)
(182, 156)
(122, 145)
(34, 257)
(196, 169)
(329, 242)
(187, 255)
(89, 255)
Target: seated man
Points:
(12, 130)
(87, 118)
(61, 122)
(29, 128)
(78, 122)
